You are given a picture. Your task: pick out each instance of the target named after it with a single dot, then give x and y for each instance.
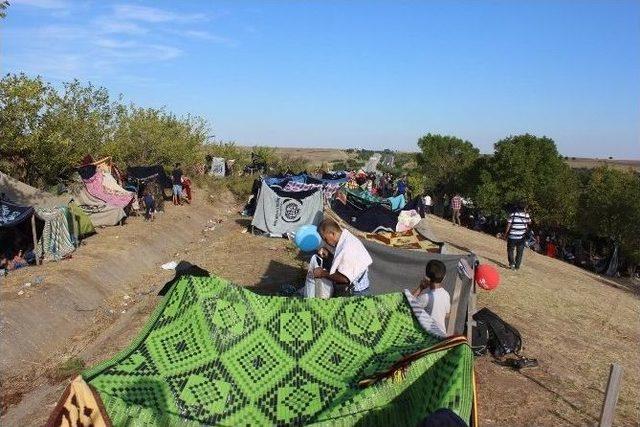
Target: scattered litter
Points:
(39, 280)
(117, 237)
(20, 292)
(111, 311)
(273, 248)
(124, 311)
(177, 254)
(26, 285)
(211, 228)
(171, 265)
(245, 231)
(126, 297)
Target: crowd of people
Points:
(519, 231)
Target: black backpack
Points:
(501, 338)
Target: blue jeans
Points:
(177, 189)
(365, 291)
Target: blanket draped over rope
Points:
(103, 189)
(214, 353)
(56, 240)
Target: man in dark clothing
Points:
(176, 180)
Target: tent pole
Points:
(75, 219)
(471, 307)
(35, 237)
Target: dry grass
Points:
(574, 322)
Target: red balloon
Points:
(487, 277)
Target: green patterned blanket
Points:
(215, 353)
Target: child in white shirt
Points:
(430, 294)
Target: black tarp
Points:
(366, 220)
(12, 214)
(143, 173)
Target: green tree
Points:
(24, 103)
(610, 208)
(530, 169)
(153, 136)
(444, 161)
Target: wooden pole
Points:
(35, 237)
(455, 303)
(75, 219)
(611, 396)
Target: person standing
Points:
(176, 177)
(456, 205)
(426, 200)
(515, 233)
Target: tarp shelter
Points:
(16, 216)
(100, 213)
(144, 173)
(64, 222)
(216, 354)
(217, 167)
(279, 212)
(103, 186)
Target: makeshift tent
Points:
(14, 218)
(100, 214)
(216, 354)
(84, 224)
(103, 186)
(279, 212)
(55, 242)
(62, 222)
(217, 167)
(144, 173)
(399, 261)
(12, 214)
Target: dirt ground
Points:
(92, 306)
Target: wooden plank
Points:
(611, 396)
(455, 305)
(35, 238)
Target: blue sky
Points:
(354, 73)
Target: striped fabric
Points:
(518, 223)
(55, 242)
(327, 189)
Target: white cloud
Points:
(43, 4)
(132, 50)
(207, 36)
(109, 25)
(153, 15)
(110, 44)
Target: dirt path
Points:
(92, 306)
(574, 322)
(570, 320)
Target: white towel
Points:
(350, 259)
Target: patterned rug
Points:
(217, 354)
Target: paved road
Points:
(372, 163)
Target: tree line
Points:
(603, 202)
(46, 131)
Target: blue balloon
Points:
(307, 238)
